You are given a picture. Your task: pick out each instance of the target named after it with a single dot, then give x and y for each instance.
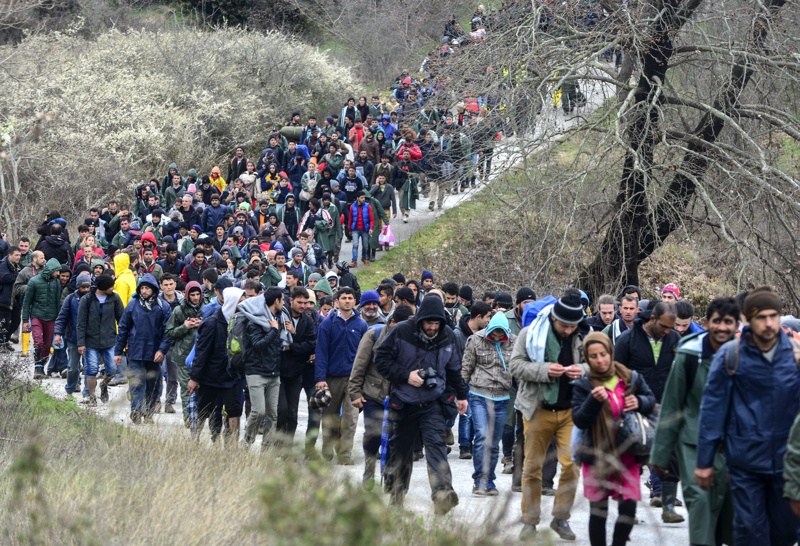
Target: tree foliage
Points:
(121, 107)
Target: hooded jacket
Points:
(56, 246)
(263, 354)
(210, 365)
(125, 284)
(406, 349)
(212, 217)
(43, 296)
(323, 286)
(304, 343)
(98, 330)
(337, 343)
(182, 337)
(142, 331)
(67, 319)
(485, 363)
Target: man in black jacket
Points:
(266, 339)
(210, 375)
(294, 359)
(56, 246)
(10, 307)
(649, 348)
(422, 361)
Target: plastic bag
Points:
(386, 237)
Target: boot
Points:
(104, 388)
(368, 480)
(669, 491)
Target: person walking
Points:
(749, 404)
(598, 403)
(39, 311)
(710, 512)
(182, 330)
(484, 368)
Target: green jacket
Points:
(327, 238)
(677, 433)
(271, 277)
(43, 296)
(514, 325)
(183, 336)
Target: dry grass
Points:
(69, 477)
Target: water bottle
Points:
(192, 409)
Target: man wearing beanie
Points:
(670, 293)
(426, 280)
(369, 306)
(648, 347)
(400, 279)
(547, 356)
(749, 403)
(465, 296)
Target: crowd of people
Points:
(228, 299)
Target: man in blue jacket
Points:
(337, 343)
(66, 329)
(141, 330)
(422, 361)
(749, 404)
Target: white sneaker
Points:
(405, 218)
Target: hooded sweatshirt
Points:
(266, 342)
(125, 285)
(141, 330)
(324, 287)
(485, 362)
(43, 295)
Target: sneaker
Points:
(405, 218)
(85, 400)
(528, 532)
(548, 492)
(445, 502)
(491, 489)
(117, 381)
(54, 375)
(479, 488)
(353, 264)
(562, 529)
(63, 374)
(464, 453)
(169, 408)
(508, 465)
(430, 205)
(655, 501)
(136, 417)
(671, 516)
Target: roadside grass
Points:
(70, 477)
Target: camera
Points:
(428, 375)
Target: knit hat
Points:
(399, 278)
(426, 275)
(83, 280)
(465, 292)
(314, 277)
(295, 251)
(673, 289)
(404, 293)
(760, 299)
(503, 299)
(104, 282)
(223, 283)
(568, 309)
(370, 296)
(525, 294)
(192, 188)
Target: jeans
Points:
(288, 405)
(465, 428)
(91, 359)
(363, 236)
(264, 392)
(488, 418)
(373, 426)
(145, 375)
(74, 369)
(761, 513)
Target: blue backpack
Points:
(532, 309)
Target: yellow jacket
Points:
(125, 285)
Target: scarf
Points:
(604, 438)
(147, 303)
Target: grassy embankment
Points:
(70, 477)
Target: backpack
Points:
(237, 341)
(533, 308)
(731, 369)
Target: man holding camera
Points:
(421, 360)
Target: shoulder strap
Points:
(735, 358)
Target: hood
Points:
(174, 166)
(149, 237)
(499, 322)
(192, 173)
(216, 171)
(96, 262)
(150, 280)
(231, 296)
(51, 267)
(193, 284)
(430, 309)
(122, 262)
(55, 240)
(255, 309)
(331, 274)
(324, 286)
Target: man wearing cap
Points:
(547, 357)
(649, 348)
(749, 403)
(370, 308)
(298, 265)
(671, 293)
(66, 329)
(96, 331)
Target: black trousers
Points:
(288, 404)
(427, 421)
(9, 321)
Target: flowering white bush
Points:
(126, 105)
